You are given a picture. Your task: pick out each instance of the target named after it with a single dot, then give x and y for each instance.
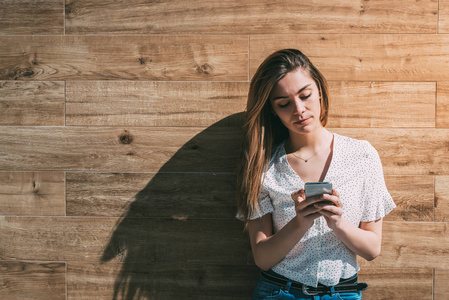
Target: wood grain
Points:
(149, 103)
(167, 195)
(201, 195)
(407, 152)
(32, 17)
(214, 149)
(160, 281)
(413, 245)
(32, 280)
(137, 103)
(369, 57)
(442, 198)
(261, 17)
(195, 57)
(441, 287)
(32, 193)
(414, 197)
(443, 16)
(442, 110)
(406, 284)
(189, 149)
(32, 103)
(130, 239)
(382, 104)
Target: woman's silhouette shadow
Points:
(179, 238)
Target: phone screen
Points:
(317, 188)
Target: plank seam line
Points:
(65, 103)
(433, 283)
(438, 17)
(63, 17)
(241, 35)
(436, 104)
(66, 279)
(249, 55)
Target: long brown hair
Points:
(261, 129)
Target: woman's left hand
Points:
(333, 210)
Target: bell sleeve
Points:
(377, 200)
(265, 206)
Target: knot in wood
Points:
(126, 137)
(204, 69)
(28, 72)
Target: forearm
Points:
(271, 250)
(362, 242)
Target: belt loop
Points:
(287, 287)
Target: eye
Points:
(282, 105)
(306, 97)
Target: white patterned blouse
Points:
(356, 173)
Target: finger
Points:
(298, 195)
(314, 216)
(334, 199)
(309, 209)
(335, 192)
(326, 213)
(329, 210)
(307, 203)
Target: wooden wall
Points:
(120, 131)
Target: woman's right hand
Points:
(306, 212)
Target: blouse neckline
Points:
(334, 152)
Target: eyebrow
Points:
(300, 90)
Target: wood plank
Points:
(32, 17)
(379, 57)
(442, 198)
(32, 193)
(32, 103)
(137, 103)
(141, 103)
(160, 281)
(407, 151)
(441, 287)
(201, 195)
(397, 283)
(94, 57)
(413, 245)
(32, 280)
(167, 195)
(214, 149)
(442, 110)
(130, 239)
(409, 207)
(252, 17)
(443, 16)
(376, 104)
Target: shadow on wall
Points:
(179, 239)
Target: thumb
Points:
(298, 195)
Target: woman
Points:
(306, 248)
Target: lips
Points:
(302, 121)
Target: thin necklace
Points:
(306, 160)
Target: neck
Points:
(310, 141)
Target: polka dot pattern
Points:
(356, 173)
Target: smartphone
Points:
(317, 188)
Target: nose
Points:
(299, 107)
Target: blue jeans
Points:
(268, 290)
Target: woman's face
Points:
(295, 99)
